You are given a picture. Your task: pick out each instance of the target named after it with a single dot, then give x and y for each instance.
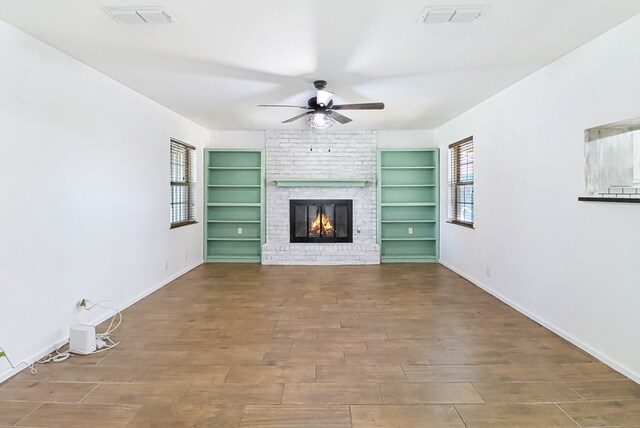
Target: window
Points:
(612, 162)
(182, 183)
(461, 188)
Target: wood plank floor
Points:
(351, 346)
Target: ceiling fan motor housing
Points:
(313, 104)
(321, 112)
(320, 84)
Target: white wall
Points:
(571, 265)
(237, 139)
(406, 139)
(84, 200)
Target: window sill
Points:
(459, 223)
(184, 223)
(615, 200)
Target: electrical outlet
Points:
(239, 231)
(166, 265)
(487, 270)
(410, 230)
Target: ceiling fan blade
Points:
(282, 105)
(362, 106)
(338, 117)
(300, 116)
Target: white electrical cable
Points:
(30, 366)
(106, 335)
(62, 356)
(106, 348)
(118, 314)
(57, 358)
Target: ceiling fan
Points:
(321, 112)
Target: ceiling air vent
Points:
(450, 15)
(141, 15)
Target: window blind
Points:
(461, 182)
(183, 181)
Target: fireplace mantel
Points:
(320, 182)
(342, 165)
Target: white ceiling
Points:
(227, 56)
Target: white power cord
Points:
(118, 314)
(101, 338)
(57, 358)
(105, 337)
(3, 353)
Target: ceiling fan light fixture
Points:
(323, 98)
(320, 111)
(320, 120)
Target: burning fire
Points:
(320, 224)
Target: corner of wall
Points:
(548, 325)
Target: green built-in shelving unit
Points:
(234, 205)
(408, 205)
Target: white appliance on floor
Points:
(82, 339)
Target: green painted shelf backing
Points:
(408, 230)
(234, 200)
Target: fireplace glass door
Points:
(321, 220)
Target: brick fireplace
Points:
(321, 221)
(320, 155)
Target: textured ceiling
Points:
(227, 56)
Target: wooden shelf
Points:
(235, 167)
(409, 221)
(408, 205)
(408, 167)
(408, 239)
(233, 259)
(407, 259)
(408, 185)
(234, 197)
(231, 204)
(233, 239)
(235, 185)
(234, 221)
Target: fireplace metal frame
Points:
(321, 202)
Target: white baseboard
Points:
(588, 349)
(99, 319)
(145, 293)
(32, 359)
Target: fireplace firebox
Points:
(321, 220)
